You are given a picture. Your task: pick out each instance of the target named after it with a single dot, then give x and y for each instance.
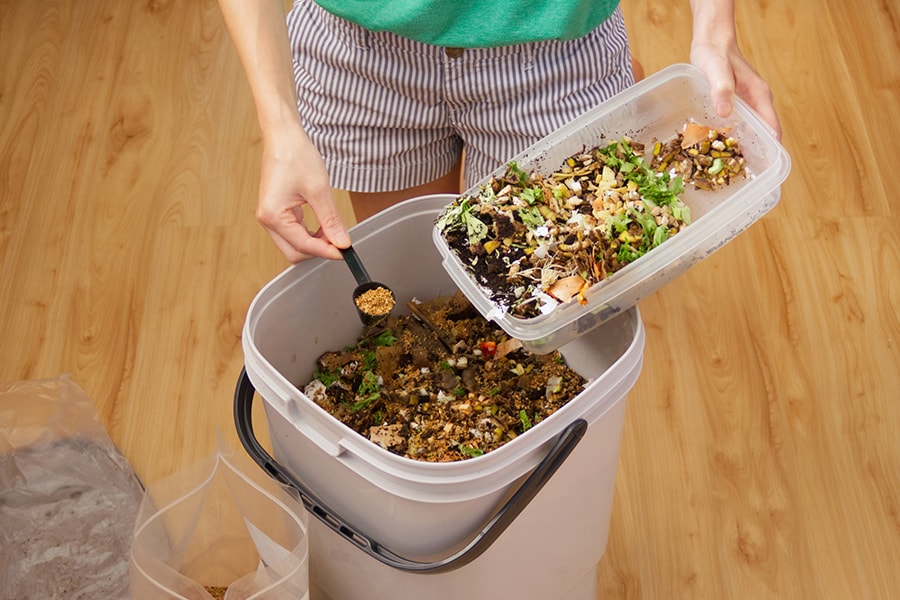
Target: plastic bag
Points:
(68, 498)
(220, 525)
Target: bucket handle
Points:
(562, 447)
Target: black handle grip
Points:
(482, 540)
(356, 266)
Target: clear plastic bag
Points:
(220, 524)
(68, 497)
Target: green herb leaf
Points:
(369, 360)
(526, 422)
(476, 230)
(682, 212)
(514, 169)
(369, 384)
(473, 452)
(532, 195)
(327, 377)
(627, 253)
(531, 217)
(385, 338)
(620, 223)
(460, 216)
(366, 401)
(646, 220)
(660, 235)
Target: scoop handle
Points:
(356, 266)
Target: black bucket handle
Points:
(482, 540)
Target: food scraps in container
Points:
(535, 241)
(703, 156)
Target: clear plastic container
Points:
(653, 109)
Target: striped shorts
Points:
(388, 113)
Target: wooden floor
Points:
(761, 452)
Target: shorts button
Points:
(454, 52)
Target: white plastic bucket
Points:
(426, 511)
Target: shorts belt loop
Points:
(527, 56)
(359, 36)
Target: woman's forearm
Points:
(714, 49)
(259, 33)
(713, 22)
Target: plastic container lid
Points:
(653, 109)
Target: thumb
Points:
(332, 226)
(720, 75)
(721, 90)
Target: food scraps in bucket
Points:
(441, 384)
(534, 241)
(376, 302)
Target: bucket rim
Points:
(508, 462)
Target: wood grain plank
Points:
(761, 456)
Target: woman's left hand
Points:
(729, 73)
(715, 51)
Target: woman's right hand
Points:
(292, 176)
(292, 173)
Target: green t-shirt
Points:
(476, 23)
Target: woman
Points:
(392, 99)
